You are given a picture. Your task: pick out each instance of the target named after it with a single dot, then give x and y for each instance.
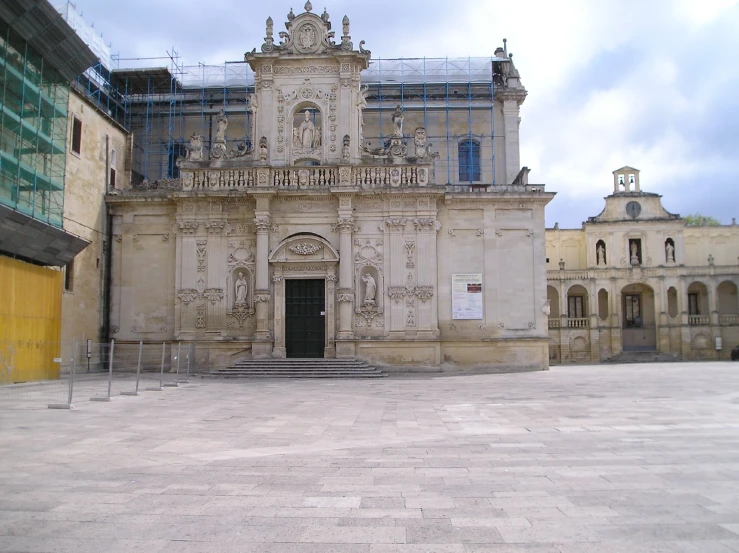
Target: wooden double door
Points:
(305, 321)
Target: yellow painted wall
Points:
(30, 321)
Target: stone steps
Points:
(299, 368)
(643, 357)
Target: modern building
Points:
(39, 56)
(636, 282)
(327, 205)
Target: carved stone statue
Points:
(297, 143)
(601, 252)
(419, 139)
(370, 289)
(263, 149)
(398, 121)
(634, 254)
(307, 132)
(219, 142)
(345, 151)
(670, 251)
(195, 149)
(362, 104)
(241, 289)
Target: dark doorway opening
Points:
(305, 329)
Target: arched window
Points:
(469, 161)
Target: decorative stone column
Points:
(426, 305)
(345, 226)
(278, 281)
(511, 115)
(262, 346)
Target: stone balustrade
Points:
(728, 320)
(699, 320)
(554, 323)
(583, 322)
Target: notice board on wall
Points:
(467, 296)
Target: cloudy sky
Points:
(653, 84)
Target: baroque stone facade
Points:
(212, 258)
(635, 278)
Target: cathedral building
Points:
(353, 217)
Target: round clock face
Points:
(633, 209)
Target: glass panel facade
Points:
(33, 125)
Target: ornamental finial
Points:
(308, 6)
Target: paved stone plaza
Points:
(640, 458)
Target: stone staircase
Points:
(643, 357)
(299, 368)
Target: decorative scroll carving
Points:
(427, 224)
(305, 248)
(188, 227)
(262, 296)
(200, 323)
(345, 295)
(410, 246)
(395, 224)
(201, 250)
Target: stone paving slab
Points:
(606, 459)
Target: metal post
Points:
(110, 374)
(161, 373)
(189, 354)
(176, 379)
(67, 405)
(138, 373)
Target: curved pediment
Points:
(304, 247)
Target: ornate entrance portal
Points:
(305, 317)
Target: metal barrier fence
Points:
(98, 372)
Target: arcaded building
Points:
(323, 208)
(635, 282)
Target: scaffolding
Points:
(452, 98)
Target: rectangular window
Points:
(76, 135)
(69, 276)
(112, 157)
(574, 307)
(693, 305)
(632, 310)
(112, 177)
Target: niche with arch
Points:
(600, 253)
(307, 129)
(672, 302)
(603, 304)
(670, 250)
(369, 296)
(240, 290)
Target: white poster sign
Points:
(467, 296)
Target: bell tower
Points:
(308, 100)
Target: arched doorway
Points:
(639, 329)
(728, 303)
(577, 307)
(304, 276)
(698, 312)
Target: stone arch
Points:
(698, 299)
(603, 304)
(639, 332)
(304, 247)
(577, 302)
(672, 304)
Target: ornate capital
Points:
(213, 295)
(396, 224)
(344, 225)
(262, 296)
(427, 224)
(187, 295)
(188, 227)
(218, 227)
(264, 225)
(277, 278)
(424, 292)
(396, 292)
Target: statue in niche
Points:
(195, 149)
(241, 290)
(601, 252)
(370, 290)
(670, 252)
(397, 121)
(634, 254)
(307, 132)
